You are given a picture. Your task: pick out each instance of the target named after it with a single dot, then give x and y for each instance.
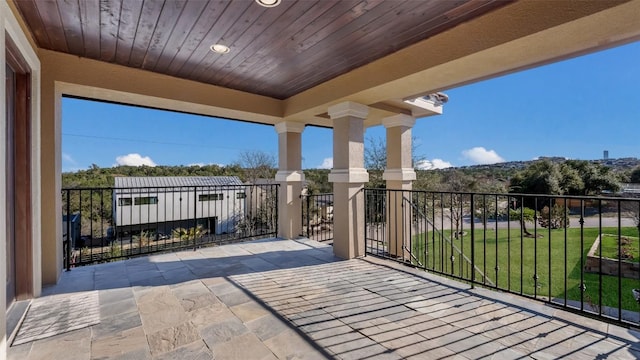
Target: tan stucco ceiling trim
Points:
(501, 45)
(104, 81)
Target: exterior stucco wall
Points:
(51, 181)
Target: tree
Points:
(573, 177)
(375, 159)
(256, 165)
(375, 154)
(632, 210)
(634, 177)
(456, 181)
(524, 215)
(571, 182)
(318, 181)
(596, 178)
(541, 177)
(428, 180)
(556, 218)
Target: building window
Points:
(147, 200)
(124, 202)
(210, 197)
(241, 195)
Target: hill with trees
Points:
(549, 175)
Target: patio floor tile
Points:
(283, 299)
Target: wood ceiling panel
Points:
(231, 15)
(286, 48)
(169, 18)
(109, 24)
(259, 33)
(182, 29)
(394, 40)
(382, 40)
(129, 18)
(53, 25)
(31, 16)
(375, 37)
(346, 22)
(144, 31)
(196, 38)
(72, 28)
(90, 15)
(260, 42)
(234, 38)
(291, 20)
(276, 52)
(322, 44)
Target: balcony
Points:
(287, 299)
(275, 298)
(286, 74)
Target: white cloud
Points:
(480, 155)
(433, 164)
(327, 163)
(68, 159)
(134, 160)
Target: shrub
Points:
(558, 219)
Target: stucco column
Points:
(290, 178)
(51, 179)
(399, 175)
(348, 177)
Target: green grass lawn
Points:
(609, 245)
(511, 261)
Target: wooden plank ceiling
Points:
(276, 52)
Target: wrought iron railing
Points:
(317, 217)
(580, 253)
(108, 224)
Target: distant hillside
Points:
(622, 164)
(494, 177)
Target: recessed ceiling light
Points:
(268, 3)
(219, 48)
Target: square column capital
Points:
(348, 108)
(289, 126)
(353, 175)
(403, 174)
(399, 120)
(290, 176)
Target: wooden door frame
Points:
(23, 207)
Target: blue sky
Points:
(576, 109)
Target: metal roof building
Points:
(174, 181)
(162, 203)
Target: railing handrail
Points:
(509, 194)
(122, 222)
(323, 234)
(448, 240)
(551, 262)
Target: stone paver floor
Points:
(283, 299)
